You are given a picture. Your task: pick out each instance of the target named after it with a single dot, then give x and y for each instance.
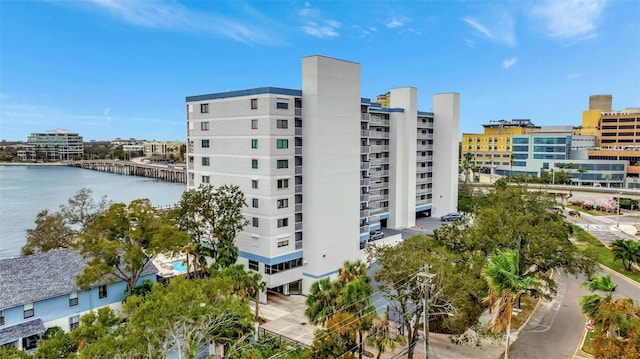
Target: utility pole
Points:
(426, 286)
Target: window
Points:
(204, 108)
(254, 163)
(254, 183)
(283, 203)
(205, 143)
(283, 183)
(253, 265)
(204, 126)
(254, 143)
(73, 299)
(283, 222)
(29, 343)
(282, 105)
(275, 268)
(282, 143)
(254, 203)
(1, 317)
(254, 103)
(282, 124)
(102, 291)
(74, 322)
(28, 310)
(206, 179)
(283, 164)
(205, 161)
(283, 243)
(254, 221)
(254, 124)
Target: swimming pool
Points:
(179, 266)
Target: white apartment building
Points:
(322, 167)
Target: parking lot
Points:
(424, 225)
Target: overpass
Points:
(566, 190)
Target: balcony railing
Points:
(298, 170)
(298, 112)
(364, 133)
(364, 165)
(298, 150)
(364, 117)
(364, 182)
(423, 124)
(298, 244)
(364, 229)
(422, 169)
(298, 188)
(364, 149)
(299, 226)
(298, 208)
(298, 131)
(380, 148)
(364, 197)
(379, 161)
(378, 134)
(364, 213)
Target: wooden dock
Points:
(161, 172)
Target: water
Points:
(26, 190)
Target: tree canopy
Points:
(121, 241)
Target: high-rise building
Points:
(322, 167)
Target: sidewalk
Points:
(285, 316)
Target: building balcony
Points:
(364, 182)
(298, 208)
(364, 133)
(378, 185)
(298, 170)
(377, 211)
(423, 147)
(422, 180)
(424, 124)
(380, 148)
(364, 149)
(298, 150)
(364, 165)
(298, 188)
(364, 229)
(191, 166)
(379, 161)
(298, 131)
(364, 197)
(378, 134)
(298, 226)
(364, 117)
(298, 112)
(364, 213)
(298, 245)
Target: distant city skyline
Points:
(109, 69)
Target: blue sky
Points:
(112, 68)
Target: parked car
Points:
(374, 236)
(450, 217)
(574, 213)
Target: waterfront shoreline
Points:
(32, 164)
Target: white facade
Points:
(446, 125)
(320, 167)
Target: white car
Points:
(374, 236)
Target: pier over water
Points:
(161, 172)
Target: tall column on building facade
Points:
(403, 136)
(331, 165)
(446, 129)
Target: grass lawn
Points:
(593, 212)
(527, 303)
(603, 254)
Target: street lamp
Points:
(618, 217)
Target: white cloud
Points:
(173, 16)
(502, 30)
(396, 22)
(315, 25)
(506, 64)
(570, 19)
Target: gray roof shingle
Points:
(36, 277)
(22, 330)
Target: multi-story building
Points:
(493, 147)
(57, 144)
(162, 149)
(617, 135)
(322, 167)
(39, 291)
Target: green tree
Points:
(627, 251)
(246, 284)
(467, 158)
(321, 301)
(185, 315)
(51, 232)
(213, 216)
(379, 336)
(590, 304)
(507, 284)
(514, 218)
(456, 288)
(122, 241)
(81, 209)
(337, 340)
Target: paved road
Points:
(557, 327)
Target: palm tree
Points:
(506, 283)
(351, 271)
(591, 304)
(355, 299)
(628, 251)
(466, 165)
(321, 302)
(255, 285)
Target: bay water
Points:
(26, 190)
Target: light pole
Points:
(426, 286)
(618, 217)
